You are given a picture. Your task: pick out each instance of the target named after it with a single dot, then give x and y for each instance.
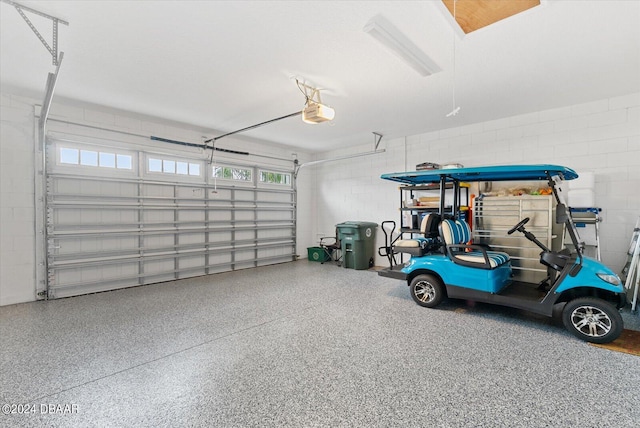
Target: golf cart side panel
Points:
(588, 276)
(485, 280)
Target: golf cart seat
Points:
(456, 235)
(421, 245)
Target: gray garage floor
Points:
(302, 344)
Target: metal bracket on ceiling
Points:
(53, 50)
(311, 94)
(376, 140)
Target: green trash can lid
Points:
(354, 224)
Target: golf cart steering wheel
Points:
(518, 226)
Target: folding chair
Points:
(332, 248)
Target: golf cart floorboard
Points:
(521, 295)
(523, 290)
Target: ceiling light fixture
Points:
(384, 32)
(314, 111)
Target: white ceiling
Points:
(225, 65)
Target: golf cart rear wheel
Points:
(592, 319)
(427, 290)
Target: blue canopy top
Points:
(484, 173)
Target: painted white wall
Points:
(17, 171)
(601, 136)
(17, 213)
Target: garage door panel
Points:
(274, 233)
(158, 242)
(192, 215)
(161, 269)
(274, 215)
(276, 197)
(244, 213)
(90, 246)
(127, 216)
(192, 262)
(108, 229)
(222, 258)
(157, 190)
(190, 192)
(243, 235)
(192, 238)
(223, 237)
(159, 215)
(70, 187)
(274, 252)
(219, 216)
(67, 216)
(244, 255)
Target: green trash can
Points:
(357, 241)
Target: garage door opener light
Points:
(314, 111)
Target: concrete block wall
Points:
(601, 136)
(17, 200)
(17, 171)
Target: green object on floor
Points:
(317, 254)
(357, 240)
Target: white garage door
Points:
(119, 217)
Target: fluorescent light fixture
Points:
(383, 31)
(317, 113)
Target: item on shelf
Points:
(452, 165)
(543, 191)
(585, 180)
(581, 198)
(427, 165)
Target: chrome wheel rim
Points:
(424, 291)
(591, 321)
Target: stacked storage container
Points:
(582, 191)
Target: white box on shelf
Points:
(585, 180)
(581, 198)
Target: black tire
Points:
(427, 290)
(592, 320)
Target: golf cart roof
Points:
(483, 173)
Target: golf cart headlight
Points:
(611, 279)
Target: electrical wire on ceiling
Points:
(300, 86)
(454, 109)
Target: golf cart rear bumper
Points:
(394, 273)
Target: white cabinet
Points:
(493, 216)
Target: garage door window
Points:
(232, 173)
(275, 177)
(95, 158)
(172, 166)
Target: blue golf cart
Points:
(446, 263)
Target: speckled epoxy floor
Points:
(302, 344)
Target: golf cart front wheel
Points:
(427, 290)
(592, 319)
